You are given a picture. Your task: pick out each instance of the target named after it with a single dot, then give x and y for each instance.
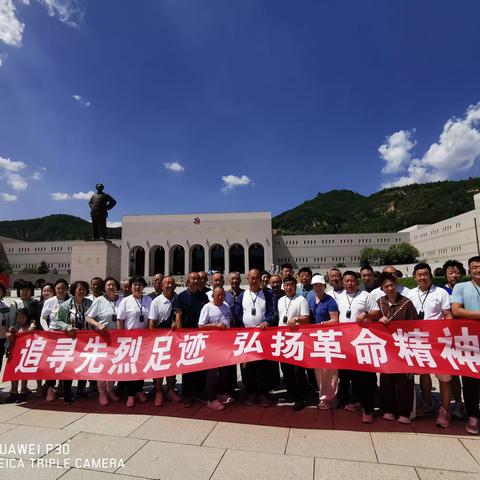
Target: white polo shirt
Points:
(358, 302)
(377, 293)
(253, 302)
(161, 309)
(130, 310)
(432, 302)
(290, 307)
(212, 313)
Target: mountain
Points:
(390, 210)
(51, 228)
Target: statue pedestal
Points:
(95, 259)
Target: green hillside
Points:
(390, 210)
(53, 227)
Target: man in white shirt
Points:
(293, 310)
(157, 285)
(161, 315)
(378, 292)
(432, 303)
(353, 302)
(254, 308)
(335, 283)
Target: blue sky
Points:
(255, 105)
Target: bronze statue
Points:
(100, 203)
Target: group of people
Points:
(268, 300)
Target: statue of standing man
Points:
(100, 203)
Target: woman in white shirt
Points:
(133, 314)
(216, 315)
(102, 315)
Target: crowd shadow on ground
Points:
(276, 415)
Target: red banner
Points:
(438, 346)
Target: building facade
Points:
(178, 244)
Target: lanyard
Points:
(251, 296)
(425, 299)
(287, 308)
(139, 304)
(348, 299)
(112, 304)
(400, 308)
(79, 315)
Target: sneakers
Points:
(102, 399)
(404, 420)
(251, 399)
(158, 399)
(141, 397)
(263, 401)
(113, 396)
(299, 405)
(352, 407)
(225, 398)
(67, 399)
(327, 404)
(215, 405)
(130, 402)
(473, 425)
(443, 419)
(187, 402)
(457, 410)
(173, 396)
(51, 394)
(12, 398)
(390, 417)
(367, 417)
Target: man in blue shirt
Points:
(466, 304)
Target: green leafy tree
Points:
(372, 256)
(43, 267)
(401, 253)
(5, 267)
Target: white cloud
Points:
(174, 166)
(16, 181)
(70, 12)
(3, 57)
(396, 151)
(60, 196)
(457, 150)
(36, 176)
(232, 181)
(10, 165)
(11, 29)
(8, 198)
(114, 224)
(82, 195)
(79, 99)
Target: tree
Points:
(372, 256)
(43, 267)
(401, 254)
(5, 267)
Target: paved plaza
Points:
(173, 442)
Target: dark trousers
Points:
(67, 387)
(193, 383)
(396, 393)
(99, 225)
(346, 387)
(471, 396)
(295, 380)
(365, 387)
(232, 383)
(133, 387)
(2, 351)
(217, 379)
(256, 377)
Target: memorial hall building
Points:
(178, 244)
